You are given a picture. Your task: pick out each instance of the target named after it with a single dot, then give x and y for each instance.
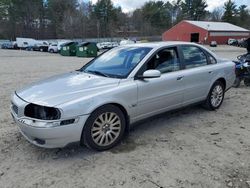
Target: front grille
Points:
(15, 108)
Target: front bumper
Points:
(50, 137)
(46, 133)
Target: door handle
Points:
(180, 78)
(210, 72)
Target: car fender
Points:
(124, 95)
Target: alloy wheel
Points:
(217, 96)
(106, 128)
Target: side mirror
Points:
(150, 74)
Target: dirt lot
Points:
(189, 148)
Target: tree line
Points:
(45, 19)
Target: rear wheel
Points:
(236, 82)
(104, 128)
(247, 81)
(215, 96)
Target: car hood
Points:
(65, 87)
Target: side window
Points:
(165, 61)
(193, 57)
(211, 59)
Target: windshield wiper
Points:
(97, 73)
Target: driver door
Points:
(156, 95)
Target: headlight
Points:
(42, 112)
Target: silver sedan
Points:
(97, 104)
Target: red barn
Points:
(205, 32)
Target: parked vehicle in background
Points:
(24, 43)
(114, 44)
(43, 42)
(97, 103)
(232, 42)
(213, 44)
(105, 45)
(7, 45)
(40, 47)
(53, 48)
(125, 42)
(101, 45)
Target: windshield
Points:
(117, 63)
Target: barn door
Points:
(194, 37)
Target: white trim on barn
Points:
(227, 34)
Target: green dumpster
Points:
(86, 49)
(68, 49)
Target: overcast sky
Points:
(130, 5)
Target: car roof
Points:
(160, 44)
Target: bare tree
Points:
(216, 14)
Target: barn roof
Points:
(217, 26)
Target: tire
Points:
(99, 135)
(237, 82)
(215, 97)
(51, 51)
(247, 81)
(41, 50)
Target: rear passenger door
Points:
(197, 74)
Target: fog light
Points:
(39, 141)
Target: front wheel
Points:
(215, 96)
(104, 128)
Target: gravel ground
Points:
(188, 148)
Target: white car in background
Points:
(125, 42)
(53, 48)
(99, 46)
(24, 43)
(115, 44)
